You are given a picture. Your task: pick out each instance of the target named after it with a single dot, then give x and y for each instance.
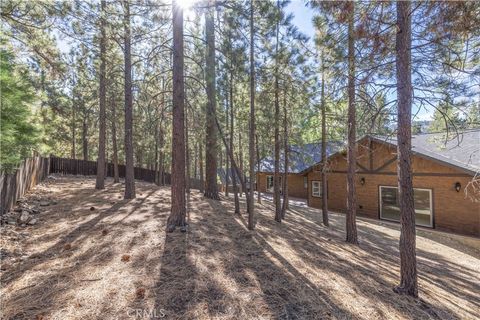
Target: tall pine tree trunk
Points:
(85, 136)
(234, 174)
(276, 175)
(74, 131)
(324, 151)
(161, 160)
(259, 193)
(187, 154)
(211, 148)
(251, 146)
(240, 158)
(116, 177)
(129, 173)
(351, 225)
(408, 262)
(100, 182)
(229, 137)
(200, 169)
(286, 155)
(155, 165)
(178, 210)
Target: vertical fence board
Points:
(34, 170)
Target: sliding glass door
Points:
(390, 209)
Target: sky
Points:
(303, 17)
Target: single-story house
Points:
(300, 157)
(442, 169)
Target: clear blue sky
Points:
(302, 17)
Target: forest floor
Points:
(116, 262)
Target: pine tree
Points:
(178, 210)
(100, 181)
(408, 263)
(129, 173)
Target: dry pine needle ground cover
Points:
(116, 262)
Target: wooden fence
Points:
(89, 168)
(33, 170)
(12, 186)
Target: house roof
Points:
(460, 150)
(300, 157)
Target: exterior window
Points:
(305, 182)
(270, 183)
(316, 189)
(390, 208)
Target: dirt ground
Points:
(116, 262)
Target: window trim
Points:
(305, 182)
(319, 187)
(267, 189)
(430, 191)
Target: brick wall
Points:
(452, 211)
(295, 184)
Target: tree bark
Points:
(100, 182)
(211, 148)
(129, 172)
(324, 151)
(276, 175)
(240, 158)
(200, 164)
(408, 262)
(84, 136)
(229, 137)
(116, 177)
(187, 154)
(259, 194)
(74, 131)
(251, 146)
(286, 155)
(351, 225)
(234, 179)
(178, 210)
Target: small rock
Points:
(32, 222)
(24, 217)
(54, 202)
(44, 203)
(92, 208)
(12, 221)
(35, 210)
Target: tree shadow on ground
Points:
(70, 255)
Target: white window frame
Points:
(319, 194)
(267, 189)
(394, 187)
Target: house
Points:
(300, 157)
(442, 169)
